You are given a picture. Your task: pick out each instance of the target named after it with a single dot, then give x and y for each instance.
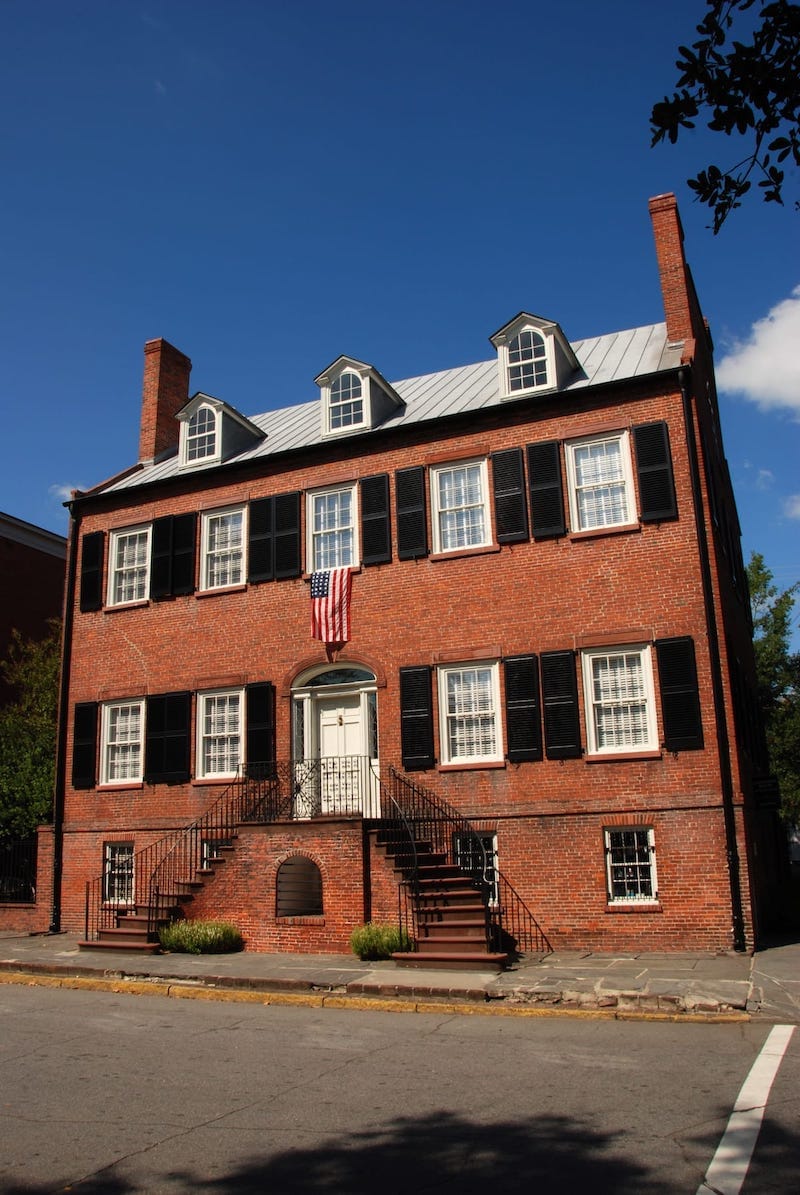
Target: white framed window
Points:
(528, 362)
(459, 497)
(200, 442)
(220, 733)
(476, 853)
(631, 865)
(118, 873)
(128, 566)
(619, 700)
(122, 742)
(346, 402)
(223, 548)
(469, 713)
(600, 478)
(332, 528)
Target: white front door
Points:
(342, 750)
(335, 744)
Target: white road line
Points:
(730, 1163)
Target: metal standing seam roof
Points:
(614, 357)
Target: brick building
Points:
(32, 565)
(526, 717)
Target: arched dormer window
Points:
(201, 438)
(346, 402)
(527, 361)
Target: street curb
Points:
(197, 990)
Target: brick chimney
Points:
(680, 303)
(164, 391)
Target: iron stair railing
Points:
(511, 926)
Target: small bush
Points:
(375, 941)
(201, 937)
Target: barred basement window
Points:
(631, 866)
(118, 873)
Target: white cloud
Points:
(765, 368)
(62, 493)
(764, 479)
(791, 506)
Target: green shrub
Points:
(201, 937)
(375, 941)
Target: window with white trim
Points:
(118, 873)
(201, 436)
(631, 865)
(346, 402)
(332, 528)
(128, 566)
(476, 853)
(527, 361)
(223, 548)
(619, 700)
(220, 733)
(459, 497)
(469, 713)
(600, 478)
(122, 739)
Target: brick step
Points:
(452, 945)
(453, 928)
(103, 944)
(124, 933)
(437, 912)
(456, 883)
(446, 961)
(440, 871)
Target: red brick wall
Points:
(638, 585)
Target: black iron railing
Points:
(511, 927)
(159, 875)
(18, 870)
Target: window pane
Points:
(333, 536)
(462, 521)
(527, 359)
(201, 435)
(221, 733)
(470, 714)
(620, 701)
(346, 403)
(600, 489)
(118, 872)
(630, 864)
(224, 549)
(130, 560)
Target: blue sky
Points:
(268, 184)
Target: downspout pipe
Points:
(720, 720)
(61, 732)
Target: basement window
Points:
(298, 888)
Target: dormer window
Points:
(200, 441)
(213, 432)
(533, 355)
(346, 402)
(527, 361)
(355, 398)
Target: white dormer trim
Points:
(201, 432)
(211, 431)
(355, 397)
(533, 356)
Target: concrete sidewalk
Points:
(708, 985)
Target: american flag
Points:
(330, 605)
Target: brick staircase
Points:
(450, 911)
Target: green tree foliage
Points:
(748, 87)
(778, 675)
(28, 732)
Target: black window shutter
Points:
(654, 469)
(412, 524)
(260, 548)
(84, 745)
(183, 541)
(167, 746)
(562, 731)
(547, 494)
(260, 747)
(523, 710)
(416, 718)
(91, 597)
(287, 535)
(376, 536)
(510, 507)
(172, 556)
(680, 696)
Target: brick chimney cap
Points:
(159, 344)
